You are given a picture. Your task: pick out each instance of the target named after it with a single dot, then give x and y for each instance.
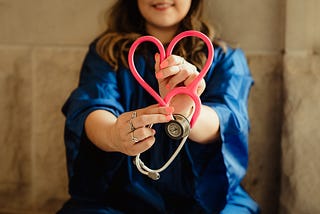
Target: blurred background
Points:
(43, 43)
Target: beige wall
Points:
(257, 26)
(42, 44)
(300, 182)
(39, 23)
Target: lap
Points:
(73, 207)
(240, 202)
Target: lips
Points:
(162, 5)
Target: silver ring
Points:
(132, 128)
(134, 115)
(133, 138)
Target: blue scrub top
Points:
(202, 178)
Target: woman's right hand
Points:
(131, 133)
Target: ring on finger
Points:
(134, 115)
(132, 128)
(133, 138)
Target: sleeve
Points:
(220, 166)
(97, 89)
(228, 96)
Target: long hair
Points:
(125, 24)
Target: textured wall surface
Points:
(301, 160)
(34, 83)
(265, 110)
(42, 45)
(300, 182)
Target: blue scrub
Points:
(202, 179)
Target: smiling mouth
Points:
(162, 6)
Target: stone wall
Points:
(42, 45)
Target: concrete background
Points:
(42, 45)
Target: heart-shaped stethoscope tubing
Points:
(190, 90)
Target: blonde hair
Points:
(125, 24)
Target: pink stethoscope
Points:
(180, 126)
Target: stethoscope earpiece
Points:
(178, 128)
(154, 175)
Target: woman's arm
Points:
(113, 134)
(206, 128)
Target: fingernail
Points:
(169, 117)
(159, 75)
(164, 64)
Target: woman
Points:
(109, 118)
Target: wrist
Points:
(183, 105)
(110, 139)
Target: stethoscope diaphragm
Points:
(178, 128)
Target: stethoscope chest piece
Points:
(178, 128)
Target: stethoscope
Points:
(179, 127)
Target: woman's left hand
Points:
(173, 72)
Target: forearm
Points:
(115, 134)
(206, 128)
(98, 127)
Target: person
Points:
(110, 118)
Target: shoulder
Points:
(232, 59)
(93, 60)
(92, 54)
(94, 67)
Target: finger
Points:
(157, 114)
(201, 87)
(168, 71)
(142, 133)
(130, 116)
(171, 61)
(185, 76)
(156, 109)
(170, 66)
(149, 119)
(142, 146)
(131, 127)
(192, 73)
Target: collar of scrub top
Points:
(190, 90)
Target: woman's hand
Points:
(131, 133)
(175, 71)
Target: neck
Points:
(163, 34)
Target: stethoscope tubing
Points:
(191, 89)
